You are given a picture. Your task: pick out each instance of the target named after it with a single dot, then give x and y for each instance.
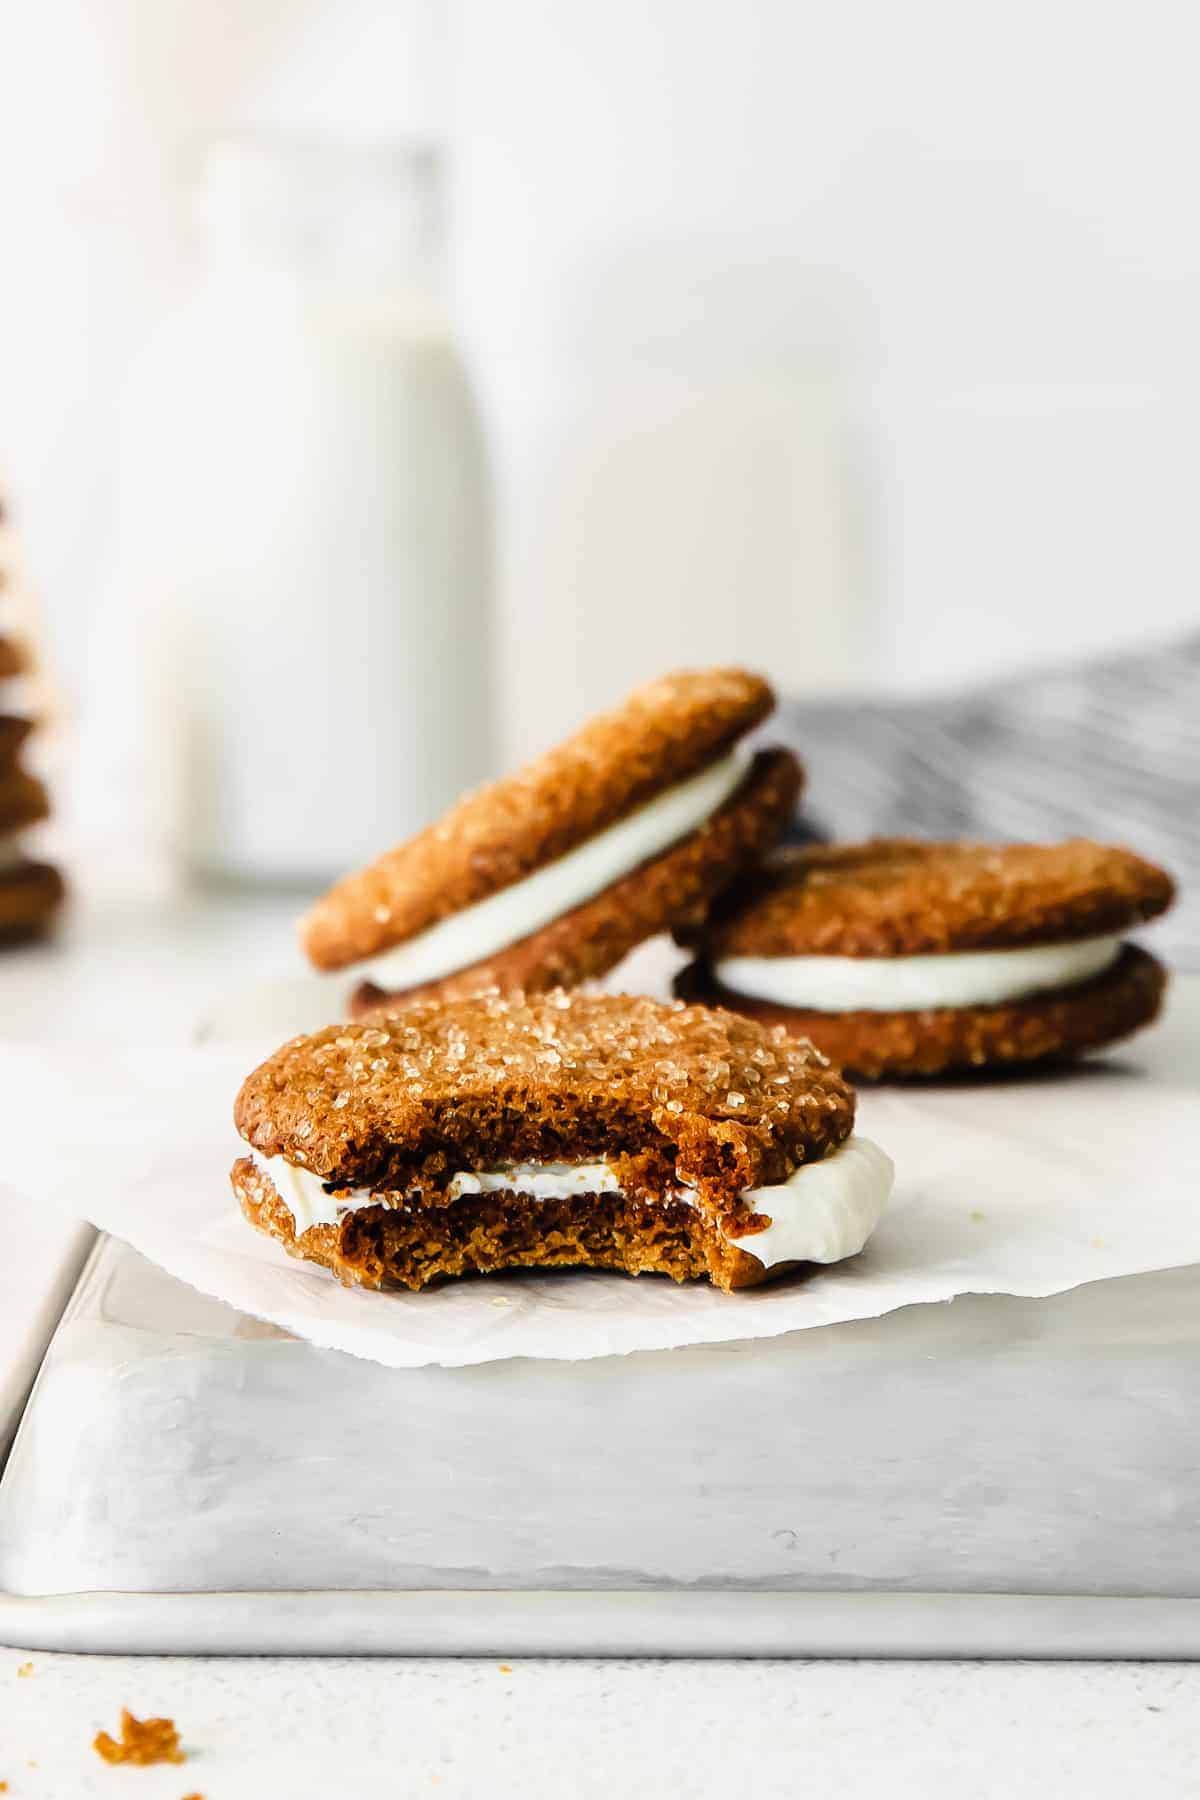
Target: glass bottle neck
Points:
(359, 223)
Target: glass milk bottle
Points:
(307, 481)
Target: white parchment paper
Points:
(1014, 1186)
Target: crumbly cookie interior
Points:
(413, 1246)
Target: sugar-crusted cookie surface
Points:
(670, 1094)
(591, 939)
(900, 897)
(666, 731)
(1045, 1027)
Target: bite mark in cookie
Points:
(568, 1130)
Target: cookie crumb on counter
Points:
(143, 1741)
(25, 1670)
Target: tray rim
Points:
(75, 1256)
(686, 1623)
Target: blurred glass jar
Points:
(304, 523)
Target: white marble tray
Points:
(35, 1286)
(989, 1477)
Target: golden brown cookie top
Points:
(904, 897)
(666, 731)
(23, 800)
(13, 660)
(704, 1097)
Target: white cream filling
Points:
(503, 919)
(825, 1211)
(304, 1195)
(910, 983)
(540, 1181)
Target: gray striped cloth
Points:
(1106, 749)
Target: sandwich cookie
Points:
(550, 876)
(13, 660)
(900, 957)
(561, 1130)
(30, 892)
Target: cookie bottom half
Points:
(410, 1247)
(1056, 1025)
(30, 896)
(593, 938)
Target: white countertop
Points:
(330, 1728)
(324, 1730)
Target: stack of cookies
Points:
(30, 891)
(485, 1111)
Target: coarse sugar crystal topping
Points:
(687, 1093)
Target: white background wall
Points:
(856, 341)
(955, 245)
